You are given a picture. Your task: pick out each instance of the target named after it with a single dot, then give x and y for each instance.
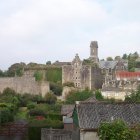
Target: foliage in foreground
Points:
(116, 130)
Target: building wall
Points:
(84, 135)
(118, 95)
(24, 85)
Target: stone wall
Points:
(24, 85)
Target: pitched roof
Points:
(90, 115)
(67, 109)
(107, 64)
(130, 75)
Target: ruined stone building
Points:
(84, 75)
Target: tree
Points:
(125, 56)
(48, 63)
(116, 130)
(78, 96)
(50, 98)
(117, 58)
(109, 59)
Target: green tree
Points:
(50, 98)
(117, 58)
(125, 56)
(109, 59)
(78, 96)
(116, 130)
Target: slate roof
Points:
(90, 115)
(67, 109)
(107, 64)
(91, 99)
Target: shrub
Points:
(50, 98)
(56, 89)
(35, 126)
(78, 96)
(31, 105)
(36, 112)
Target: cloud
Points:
(41, 30)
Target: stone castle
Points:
(84, 75)
(89, 73)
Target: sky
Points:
(49, 30)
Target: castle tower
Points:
(94, 51)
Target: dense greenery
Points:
(35, 126)
(116, 130)
(50, 98)
(54, 74)
(78, 96)
(134, 96)
(56, 88)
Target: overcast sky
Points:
(43, 30)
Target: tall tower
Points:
(94, 51)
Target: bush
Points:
(6, 115)
(36, 112)
(116, 130)
(35, 126)
(56, 89)
(38, 76)
(50, 98)
(31, 105)
(78, 96)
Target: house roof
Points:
(91, 115)
(107, 64)
(67, 109)
(131, 75)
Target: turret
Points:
(94, 51)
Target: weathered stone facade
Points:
(83, 76)
(24, 85)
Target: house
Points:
(66, 112)
(123, 84)
(88, 116)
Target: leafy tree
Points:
(16, 68)
(78, 96)
(116, 130)
(125, 56)
(117, 58)
(109, 59)
(48, 63)
(50, 98)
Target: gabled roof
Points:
(91, 115)
(107, 64)
(67, 109)
(126, 74)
